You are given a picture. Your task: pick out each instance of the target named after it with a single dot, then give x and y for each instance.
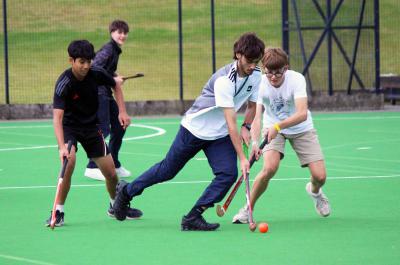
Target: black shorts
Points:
(91, 139)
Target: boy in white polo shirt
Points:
(283, 95)
(209, 125)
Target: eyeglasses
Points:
(278, 73)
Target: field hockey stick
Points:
(252, 225)
(221, 210)
(60, 180)
(133, 76)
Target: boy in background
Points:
(107, 58)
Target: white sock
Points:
(112, 202)
(60, 207)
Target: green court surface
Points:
(363, 164)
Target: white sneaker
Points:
(94, 173)
(123, 172)
(242, 217)
(321, 201)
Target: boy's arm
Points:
(230, 117)
(299, 116)
(123, 116)
(58, 115)
(248, 119)
(102, 57)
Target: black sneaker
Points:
(132, 213)
(197, 224)
(121, 204)
(59, 219)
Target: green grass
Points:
(362, 159)
(39, 32)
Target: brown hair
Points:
(119, 25)
(274, 58)
(250, 46)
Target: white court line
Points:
(31, 261)
(355, 118)
(159, 131)
(202, 181)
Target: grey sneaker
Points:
(131, 213)
(242, 217)
(122, 202)
(59, 219)
(320, 200)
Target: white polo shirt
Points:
(225, 89)
(279, 102)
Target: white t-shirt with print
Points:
(279, 103)
(225, 89)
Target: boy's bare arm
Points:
(123, 116)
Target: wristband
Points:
(276, 126)
(247, 126)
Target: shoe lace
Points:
(322, 202)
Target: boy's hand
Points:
(124, 119)
(118, 80)
(63, 152)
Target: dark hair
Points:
(274, 58)
(119, 25)
(81, 49)
(250, 46)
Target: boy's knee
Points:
(268, 172)
(319, 178)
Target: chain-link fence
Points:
(40, 31)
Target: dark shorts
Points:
(91, 139)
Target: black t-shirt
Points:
(107, 58)
(79, 99)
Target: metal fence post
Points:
(7, 94)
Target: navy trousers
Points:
(220, 154)
(107, 115)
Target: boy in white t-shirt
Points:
(283, 95)
(209, 126)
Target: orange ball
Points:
(263, 227)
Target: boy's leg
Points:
(221, 156)
(318, 175)
(273, 153)
(117, 132)
(106, 165)
(66, 183)
(107, 168)
(271, 164)
(308, 150)
(184, 147)
(103, 116)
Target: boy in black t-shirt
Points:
(75, 107)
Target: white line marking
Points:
(364, 148)
(25, 260)
(26, 127)
(202, 181)
(201, 158)
(159, 131)
(355, 118)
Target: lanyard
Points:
(241, 87)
